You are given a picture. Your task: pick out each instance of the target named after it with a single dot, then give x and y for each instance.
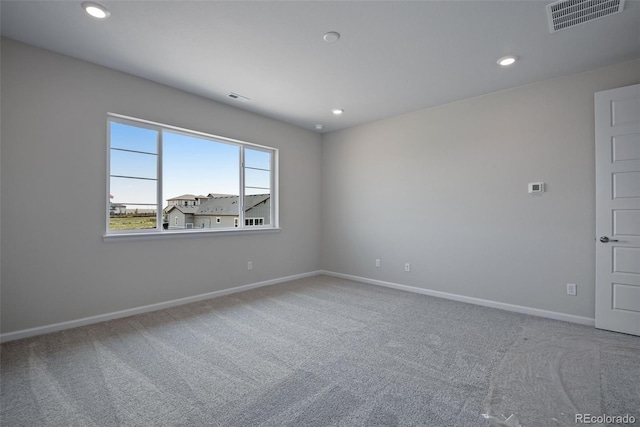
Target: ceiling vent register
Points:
(568, 13)
(237, 97)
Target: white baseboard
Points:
(40, 330)
(471, 300)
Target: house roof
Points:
(185, 197)
(254, 200)
(210, 195)
(201, 196)
(222, 205)
(225, 205)
(184, 209)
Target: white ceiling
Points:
(393, 57)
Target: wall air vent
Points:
(568, 13)
(238, 97)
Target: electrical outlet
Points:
(250, 265)
(377, 263)
(572, 289)
(407, 266)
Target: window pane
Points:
(208, 171)
(133, 191)
(126, 163)
(133, 138)
(199, 166)
(257, 179)
(132, 217)
(257, 159)
(201, 179)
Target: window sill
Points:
(112, 237)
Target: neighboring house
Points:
(117, 209)
(187, 200)
(177, 216)
(215, 211)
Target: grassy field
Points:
(132, 223)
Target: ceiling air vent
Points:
(568, 13)
(238, 97)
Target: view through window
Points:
(166, 179)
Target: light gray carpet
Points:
(320, 352)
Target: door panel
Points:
(626, 184)
(626, 222)
(626, 297)
(618, 209)
(626, 260)
(624, 111)
(626, 147)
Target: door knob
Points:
(605, 239)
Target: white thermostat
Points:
(536, 187)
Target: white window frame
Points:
(239, 226)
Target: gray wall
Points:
(55, 265)
(446, 189)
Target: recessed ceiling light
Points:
(337, 111)
(331, 37)
(505, 61)
(319, 127)
(96, 10)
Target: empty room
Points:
(320, 213)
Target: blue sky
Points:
(191, 165)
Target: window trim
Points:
(196, 232)
(159, 231)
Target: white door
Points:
(618, 209)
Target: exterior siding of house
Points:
(263, 210)
(209, 221)
(182, 219)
